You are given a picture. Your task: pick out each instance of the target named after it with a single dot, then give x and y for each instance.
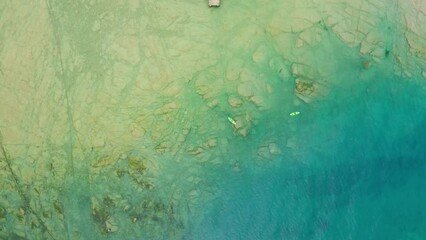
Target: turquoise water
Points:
(359, 175)
(172, 120)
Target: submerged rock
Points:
(235, 102)
(308, 90)
(268, 151)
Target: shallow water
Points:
(359, 175)
(172, 120)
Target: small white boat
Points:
(214, 3)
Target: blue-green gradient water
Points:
(170, 120)
(360, 173)
(352, 165)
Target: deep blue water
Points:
(359, 173)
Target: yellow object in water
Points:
(294, 114)
(232, 121)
